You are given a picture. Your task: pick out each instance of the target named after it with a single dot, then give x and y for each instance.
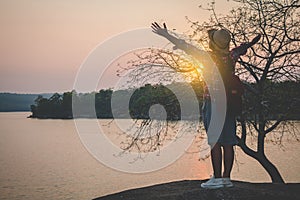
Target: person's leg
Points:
(228, 160)
(216, 160)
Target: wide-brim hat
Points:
(220, 39)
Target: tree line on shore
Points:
(59, 106)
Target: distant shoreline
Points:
(17, 102)
(9, 111)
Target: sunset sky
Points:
(44, 42)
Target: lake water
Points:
(45, 159)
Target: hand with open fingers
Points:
(156, 28)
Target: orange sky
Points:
(43, 43)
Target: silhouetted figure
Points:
(225, 60)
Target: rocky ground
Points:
(190, 190)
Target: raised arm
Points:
(242, 49)
(179, 43)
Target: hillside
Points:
(10, 102)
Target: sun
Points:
(197, 71)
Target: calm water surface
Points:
(44, 159)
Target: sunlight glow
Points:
(197, 71)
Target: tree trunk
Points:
(260, 156)
(267, 165)
(270, 168)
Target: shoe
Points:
(213, 183)
(227, 182)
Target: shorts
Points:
(228, 134)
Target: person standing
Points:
(224, 59)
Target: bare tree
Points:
(275, 59)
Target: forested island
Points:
(59, 106)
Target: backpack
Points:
(233, 85)
(235, 91)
